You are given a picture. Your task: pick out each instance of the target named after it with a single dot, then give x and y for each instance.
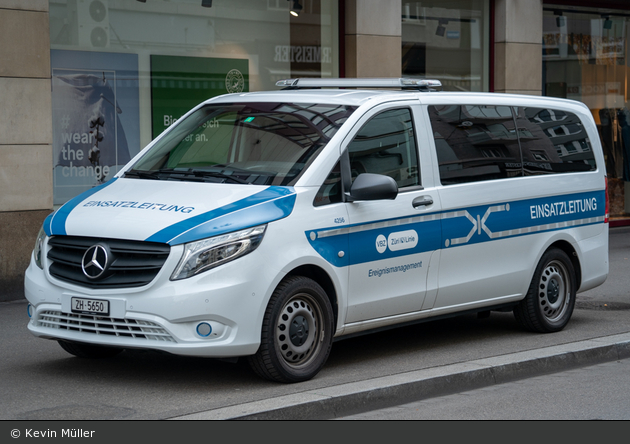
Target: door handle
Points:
(422, 201)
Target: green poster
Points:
(180, 83)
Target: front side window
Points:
(258, 143)
(385, 145)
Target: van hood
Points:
(168, 212)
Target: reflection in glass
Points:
(475, 143)
(482, 142)
(448, 41)
(386, 145)
(257, 143)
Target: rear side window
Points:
(483, 142)
(475, 142)
(553, 141)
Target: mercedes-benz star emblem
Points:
(94, 261)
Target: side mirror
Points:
(369, 186)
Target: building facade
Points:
(86, 84)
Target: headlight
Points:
(39, 247)
(205, 254)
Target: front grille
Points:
(133, 263)
(98, 325)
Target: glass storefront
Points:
(447, 40)
(124, 70)
(586, 57)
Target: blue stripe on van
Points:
(56, 223)
(46, 225)
(270, 204)
(458, 227)
(519, 218)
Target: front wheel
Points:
(550, 300)
(296, 334)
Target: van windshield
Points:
(250, 143)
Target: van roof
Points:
(357, 97)
(330, 96)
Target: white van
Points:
(265, 225)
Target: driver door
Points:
(391, 241)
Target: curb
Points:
(622, 222)
(387, 391)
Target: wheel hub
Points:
(553, 291)
(298, 331)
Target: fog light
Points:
(204, 329)
(29, 310)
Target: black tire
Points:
(296, 334)
(90, 351)
(550, 299)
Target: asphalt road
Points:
(41, 381)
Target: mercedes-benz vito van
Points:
(267, 224)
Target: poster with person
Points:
(95, 112)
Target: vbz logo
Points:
(381, 243)
(401, 240)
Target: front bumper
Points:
(199, 316)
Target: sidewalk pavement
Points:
(387, 391)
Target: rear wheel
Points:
(550, 300)
(296, 334)
(83, 350)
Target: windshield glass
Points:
(260, 143)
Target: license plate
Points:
(89, 306)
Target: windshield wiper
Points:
(144, 174)
(183, 174)
(218, 174)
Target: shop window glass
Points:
(448, 41)
(585, 58)
(123, 71)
